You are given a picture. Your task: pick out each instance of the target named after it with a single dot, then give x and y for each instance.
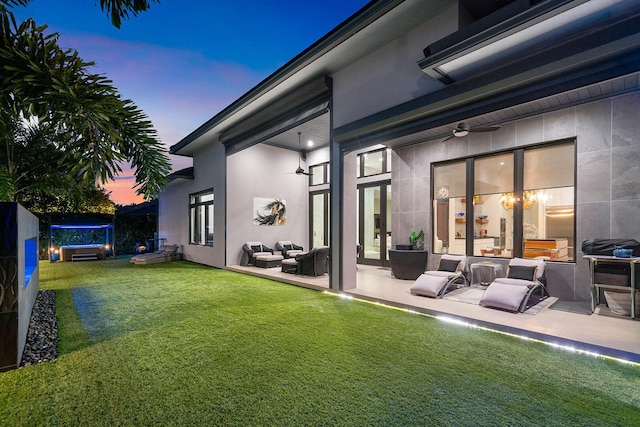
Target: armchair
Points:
(251, 250)
(314, 263)
(288, 249)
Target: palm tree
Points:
(40, 81)
(116, 10)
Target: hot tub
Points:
(82, 252)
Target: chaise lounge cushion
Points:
(450, 265)
(268, 261)
(539, 263)
(513, 292)
(163, 254)
(435, 283)
(430, 283)
(522, 272)
(507, 296)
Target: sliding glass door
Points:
(374, 223)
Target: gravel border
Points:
(42, 337)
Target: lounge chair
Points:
(163, 254)
(452, 269)
(288, 249)
(524, 278)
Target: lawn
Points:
(184, 344)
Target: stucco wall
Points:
(173, 208)
(265, 171)
(607, 186)
(16, 300)
(28, 228)
(392, 73)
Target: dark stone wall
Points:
(8, 286)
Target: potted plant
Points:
(416, 239)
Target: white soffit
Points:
(526, 36)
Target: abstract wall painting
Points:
(269, 211)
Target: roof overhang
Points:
(530, 30)
(186, 173)
(605, 47)
(377, 23)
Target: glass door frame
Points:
(383, 260)
(326, 207)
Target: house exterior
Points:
(498, 129)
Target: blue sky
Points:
(184, 61)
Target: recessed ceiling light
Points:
(310, 143)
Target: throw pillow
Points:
(288, 247)
(448, 265)
(257, 248)
(522, 272)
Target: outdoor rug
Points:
(578, 307)
(472, 295)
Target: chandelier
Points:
(507, 200)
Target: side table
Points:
(483, 273)
(595, 287)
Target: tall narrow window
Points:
(548, 201)
(493, 206)
(449, 218)
(201, 218)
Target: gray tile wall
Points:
(607, 186)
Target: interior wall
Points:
(607, 166)
(317, 157)
(173, 208)
(268, 172)
(393, 76)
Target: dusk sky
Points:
(184, 61)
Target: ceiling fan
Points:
(463, 129)
(300, 171)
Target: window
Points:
(201, 218)
(319, 174)
(374, 162)
(548, 200)
(449, 219)
(493, 224)
(518, 203)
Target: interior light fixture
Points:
(310, 143)
(508, 200)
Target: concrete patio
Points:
(602, 332)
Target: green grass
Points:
(184, 344)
